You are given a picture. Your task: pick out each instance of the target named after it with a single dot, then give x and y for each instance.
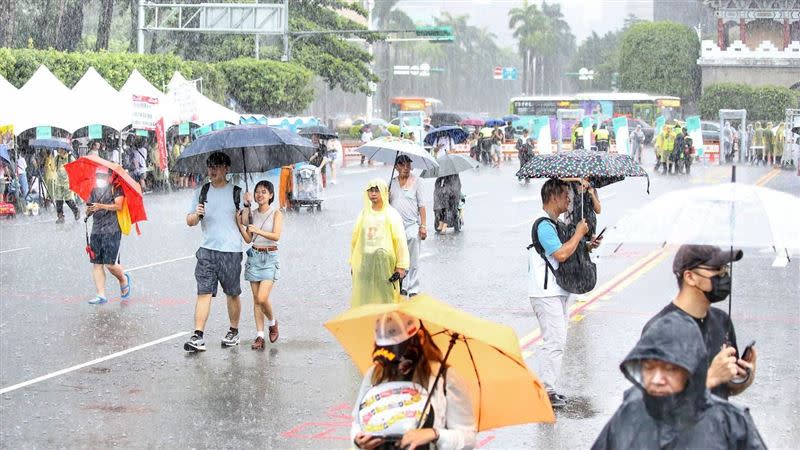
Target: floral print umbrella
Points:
(602, 168)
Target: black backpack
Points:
(237, 194)
(577, 274)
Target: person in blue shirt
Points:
(219, 258)
(550, 304)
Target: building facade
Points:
(757, 43)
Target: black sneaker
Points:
(557, 400)
(195, 344)
(231, 339)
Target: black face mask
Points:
(720, 288)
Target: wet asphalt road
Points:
(134, 387)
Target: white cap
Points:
(394, 328)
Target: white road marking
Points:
(90, 363)
(14, 250)
(476, 195)
(527, 222)
(426, 255)
(32, 223)
(524, 199)
(780, 261)
(341, 224)
(159, 263)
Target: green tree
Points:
(661, 57)
(601, 54)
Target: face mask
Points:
(102, 183)
(720, 288)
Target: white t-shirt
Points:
(366, 136)
(114, 155)
(21, 165)
(536, 272)
(446, 143)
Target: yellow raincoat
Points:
(378, 246)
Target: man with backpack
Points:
(554, 243)
(219, 258)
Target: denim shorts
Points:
(262, 266)
(218, 268)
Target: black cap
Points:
(691, 256)
(402, 159)
(218, 159)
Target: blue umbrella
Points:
(494, 123)
(51, 143)
(4, 153)
(255, 148)
(510, 117)
(456, 133)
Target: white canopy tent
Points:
(137, 84)
(97, 103)
(190, 105)
(8, 104)
(44, 101)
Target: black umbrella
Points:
(320, 130)
(255, 148)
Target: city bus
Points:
(427, 104)
(608, 104)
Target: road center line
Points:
(159, 263)
(90, 363)
(341, 224)
(14, 250)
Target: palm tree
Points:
(524, 20)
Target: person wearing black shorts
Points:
(219, 258)
(104, 202)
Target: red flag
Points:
(161, 139)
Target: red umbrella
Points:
(473, 121)
(82, 180)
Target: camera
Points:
(395, 277)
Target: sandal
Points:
(97, 300)
(125, 291)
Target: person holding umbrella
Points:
(61, 193)
(104, 202)
(405, 352)
(219, 258)
(407, 197)
(378, 249)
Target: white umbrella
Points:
(730, 214)
(450, 164)
(387, 148)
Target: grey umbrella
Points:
(450, 164)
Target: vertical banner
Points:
(183, 129)
(541, 132)
(696, 133)
(145, 112)
(44, 133)
(202, 130)
(660, 122)
(95, 131)
(586, 122)
(161, 140)
(621, 135)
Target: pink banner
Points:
(161, 140)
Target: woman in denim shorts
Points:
(262, 267)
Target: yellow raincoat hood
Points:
(377, 247)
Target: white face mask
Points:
(101, 183)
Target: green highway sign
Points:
(436, 34)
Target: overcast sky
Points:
(583, 16)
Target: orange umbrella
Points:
(486, 355)
(81, 173)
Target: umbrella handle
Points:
(442, 368)
(391, 177)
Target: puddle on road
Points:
(577, 408)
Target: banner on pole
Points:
(95, 131)
(44, 133)
(660, 122)
(541, 132)
(696, 133)
(145, 112)
(621, 134)
(161, 140)
(183, 129)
